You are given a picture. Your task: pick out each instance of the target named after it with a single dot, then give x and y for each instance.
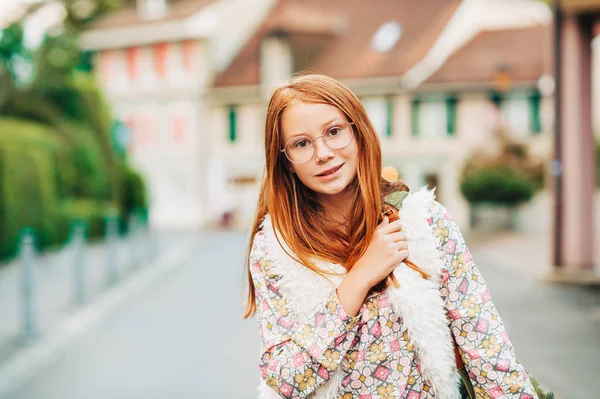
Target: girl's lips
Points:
(330, 173)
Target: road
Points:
(183, 336)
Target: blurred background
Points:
(131, 152)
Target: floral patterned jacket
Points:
(399, 345)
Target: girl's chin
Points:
(330, 190)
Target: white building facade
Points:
(155, 62)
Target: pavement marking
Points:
(29, 361)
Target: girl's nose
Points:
(323, 152)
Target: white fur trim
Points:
(303, 290)
(417, 301)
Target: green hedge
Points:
(83, 170)
(51, 177)
(133, 198)
(28, 195)
(497, 184)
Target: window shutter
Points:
(415, 116)
(496, 98)
(389, 116)
(451, 115)
(534, 110)
(232, 124)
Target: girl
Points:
(333, 324)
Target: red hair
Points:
(294, 211)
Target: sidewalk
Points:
(54, 282)
(529, 254)
(528, 251)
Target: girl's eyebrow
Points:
(325, 124)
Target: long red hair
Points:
(295, 214)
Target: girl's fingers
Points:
(390, 228)
(398, 236)
(403, 254)
(401, 245)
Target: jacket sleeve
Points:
(297, 355)
(483, 342)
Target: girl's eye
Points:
(334, 131)
(301, 143)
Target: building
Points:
(192, 80)
(436, 82)
(156, 61)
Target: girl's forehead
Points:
(300, 116)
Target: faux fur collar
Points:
(418, 301)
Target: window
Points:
(520, 111)
(432, 119)
(381, 114)
(434, 116)
(232, 119)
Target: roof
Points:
(525, 54)
(177, 9)
(334, 37)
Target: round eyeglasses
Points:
(301, 149)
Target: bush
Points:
(508, 177)
(83, 170)
(497, 184)
(133, 196)
(28, 192)
(47, 182)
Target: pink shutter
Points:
(160, 59)
(133, 63)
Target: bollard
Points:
(78, 238)
(133, 247)
(27, 256)
(112, 238)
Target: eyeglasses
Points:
(301, 149)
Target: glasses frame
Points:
(324, 140)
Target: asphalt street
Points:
(183, 336)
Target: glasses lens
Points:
(299, 150)
(338, 136)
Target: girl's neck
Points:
(337, 207)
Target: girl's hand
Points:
(387, 249)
